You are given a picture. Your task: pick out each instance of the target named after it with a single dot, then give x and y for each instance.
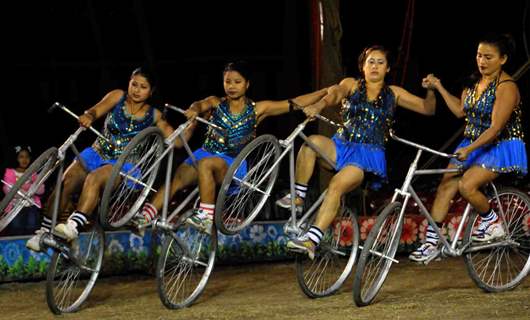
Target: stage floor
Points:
(441, 290)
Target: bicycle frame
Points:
(407, 191)
(162, 222)
(293, 226)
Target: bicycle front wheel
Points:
(17, 198)
(502, 263)
(131, 179)
(68, 283)
(247, 184)
(334, 260)
(184, 266)
(377, 255)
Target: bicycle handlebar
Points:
(65, 109)
(419, 146)
(168, 106)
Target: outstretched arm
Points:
(454, 103)
(414, 103)
(268, 108)
(333, 96)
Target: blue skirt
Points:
(201, 154)
(506, 156)
(368, 157)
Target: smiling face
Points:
(375, 66)
(489, 59)
(139, 88)
(235, 84)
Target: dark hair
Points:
(503, 42)
(366, 51)
(241, 67)
(147, 74)
(506, 46)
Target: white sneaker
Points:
(426, 251)
(67, 230)
(34, 242)
(201, 221)
(488, 231)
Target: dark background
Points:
(76, 51)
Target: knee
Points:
(204, 165)
(92, 181)
(465, 188)
(336, 187)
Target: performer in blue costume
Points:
(492, 145)
(238, 116)
(358, 148)
(128, 113)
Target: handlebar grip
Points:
(54, 107)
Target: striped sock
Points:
(46, 224)
(431, 235)
(206, 210)
(315, 234)
(79, 218)
(149, 211)
(301, 190)
(488, 217)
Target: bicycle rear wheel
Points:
(37, 174)
(246, 186)
(184, 266)
(68, 284)
(334, 259)
(376, 256)
(503, 263)
(131, 179)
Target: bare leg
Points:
(445, 193)
(94, 183)
(346, 180)
(185, 175)
(305, 161)
(72, 181)
(211, 173)
(469, 187)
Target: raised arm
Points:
(414, 103)
(101, 108)
(333, 96)
(268, 108)
(455, 104)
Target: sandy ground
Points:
(441, 290)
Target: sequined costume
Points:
(360, 142)
(239, 130)
(507, 153)
(120, 127)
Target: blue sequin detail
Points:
(367, 121)
(240, 129)
(120, 127)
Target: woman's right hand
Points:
(191, 114)
(430, 82)
(312, 110)
(85, 120)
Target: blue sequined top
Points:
(478, 112)
(366, 121)
(240, 129)
(120, 127)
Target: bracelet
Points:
(91, 113)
